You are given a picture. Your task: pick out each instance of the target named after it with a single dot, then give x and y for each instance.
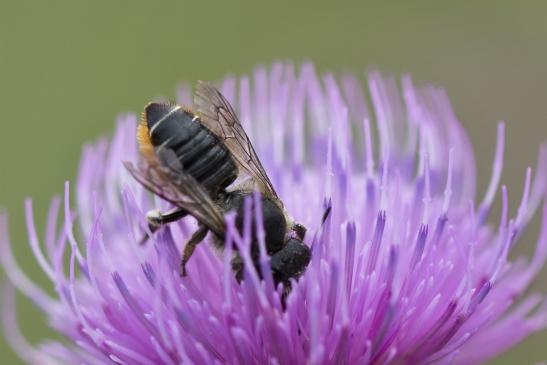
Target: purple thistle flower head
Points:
(405, 270)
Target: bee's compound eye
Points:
(300, 230)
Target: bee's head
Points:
(291, 261)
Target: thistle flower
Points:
(406, 269)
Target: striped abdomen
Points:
(201, 153)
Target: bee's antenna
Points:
(326, 212)
(327, 204)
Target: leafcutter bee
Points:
(191, 159)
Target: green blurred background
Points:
(69, 67)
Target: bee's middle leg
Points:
(190, 246)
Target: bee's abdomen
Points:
(201, 153)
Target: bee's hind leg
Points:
(156, 219)
(190, 246)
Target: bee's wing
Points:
(219, 116)
(182, 190)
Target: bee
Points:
(193, 159)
